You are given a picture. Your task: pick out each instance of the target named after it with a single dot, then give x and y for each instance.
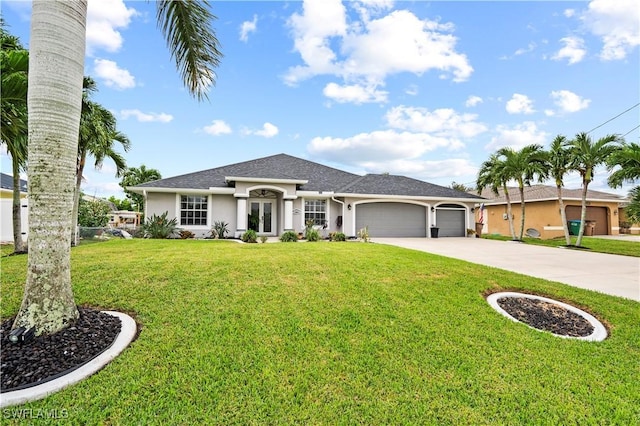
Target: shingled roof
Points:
(546, 192)
(280, 166)
(318, 177)
(385, 184)
(6, 182)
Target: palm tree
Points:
(14, 67)
(628, 158)
(97, 134)
(57, 41)
(135, 176)
(585, 156)
(492, 175)
(557, 163)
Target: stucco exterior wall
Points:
(544, 216)
(157, 203)
(223, 207)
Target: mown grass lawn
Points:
(333, 333)
(595, 244)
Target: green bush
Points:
(159, 227)
(219, 229)
(337, 236)
(313, 235)
(250, 236)
(289, 237)
(263, 238)
(93, 214)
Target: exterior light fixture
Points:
(21, 334)
(433, 209)
(348, 206)
(473, 209)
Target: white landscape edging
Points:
(599, 330)
(127, 333)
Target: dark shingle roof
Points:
(385, 184)
(6, 182)
(280, 166)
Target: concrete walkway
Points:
(606, 273)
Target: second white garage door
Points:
(392, 219)
(450, 223)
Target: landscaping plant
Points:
(159, 227)
(289, 237)
(250, 236)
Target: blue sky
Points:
(422, 89)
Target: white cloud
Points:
(113, 76)
(569, 13)
(617, 23)
(569, 102)
(248, 27)
(530, 48)
(146, 117)
(422, 169)
(520, 104)
(217, 127)
(268, 131)
(517, 136)
(573, 50)
(104, 19)
(366, 51)
(442, 122)
(354, 93)
(412, 90)
(473, 101)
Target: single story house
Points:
(543, 210)
(6, 208)
(281, 193)
(124, 219)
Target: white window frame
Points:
(315, 202)
(204, 212)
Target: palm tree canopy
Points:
(491, 175)
(523, 165)
(586, 155)
(192, 42)
(14, 68)
(628, 158)
(557, 159)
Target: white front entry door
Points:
(262, 216)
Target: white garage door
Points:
(392, 219)
(450, 223)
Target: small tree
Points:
(135, 176)
(93, 213)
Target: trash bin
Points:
(479, 227)
(434, 232)
(574, 227)
(589, 228)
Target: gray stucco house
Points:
(279, 193)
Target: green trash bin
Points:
(574, 227)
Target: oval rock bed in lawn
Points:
(549, 315)
(45, 358)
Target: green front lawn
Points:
(333, 333)
(600, 245)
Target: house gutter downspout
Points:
(333, 198)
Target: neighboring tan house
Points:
(6, 209)
(279, 193)
(125, 219)
(543, 210)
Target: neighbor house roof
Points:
(535, 193)
(281, 166)
(6, 182)
(314, 177)
(385, 184)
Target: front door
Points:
(262, 216)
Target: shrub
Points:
(250, 236)
(159, 227)
(220, 228)
(93, 214)
(186, 234)
(337, 236)
(313, 235)
(289, 237)
(363, 234)
(263, 238)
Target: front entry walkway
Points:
(606, 273)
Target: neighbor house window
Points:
(193, 210)
(315, 210)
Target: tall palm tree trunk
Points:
(522, 206)
(57, 42)
(563, 216)
(19, 245)
(583, 214)
(509, 213)
(76, 199)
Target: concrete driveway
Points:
(606, 273)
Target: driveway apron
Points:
(606, 273)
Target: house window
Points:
(193, 210)
(315, 210)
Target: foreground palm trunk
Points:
(56, 65)
(563, 216)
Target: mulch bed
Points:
(546, 316)
(47, 357)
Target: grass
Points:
(595, 244)
(333, 333)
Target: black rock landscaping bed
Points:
(47, 357)
(546, 316)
